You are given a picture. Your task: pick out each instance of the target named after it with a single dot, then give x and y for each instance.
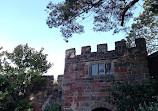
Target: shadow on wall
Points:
(153, 63)
(101, 109)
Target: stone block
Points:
(141, 45)
(70, 53)
(102, 48)
(86, 50)
(119, 45)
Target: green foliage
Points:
(14, 89)
(151, 106)
(30, 60)
(27, 67)
(21, 71)
(54, 107)
(37, 81)
(25, 105)
(145, 26)
(108, 15)
(128, 96)
(10, 97)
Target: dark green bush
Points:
(151, 106)
(54, 107)
(128, 96)
(10, 97)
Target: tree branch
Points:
(89, 8)
(126, 9)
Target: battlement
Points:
(103, 53)
(119, 45)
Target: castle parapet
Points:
(86, 50)
(70, 53)
(102, 52)
(140, 43)
(102, 48)
(120, 45)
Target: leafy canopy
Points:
(146, 26)
(10, 97)
(20, 71)
(108, 15)
(29, 59)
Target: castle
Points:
(86, 76)
(83, 87)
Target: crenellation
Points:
(102, 48)
(140, 43)
(86, 50)
(103, 53)
(70, 53)
(120, 45)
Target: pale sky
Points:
(24, 21)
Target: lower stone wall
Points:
(46, 96)
(82, 90)
(86, 94)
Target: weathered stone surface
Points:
(86, 50)
(79, 90)
(102, 48)
(83, 91)
(47, 95)
(70, 53)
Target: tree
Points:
(146, 26)
(28, 65)
(19, 72)
(10, 97)
(28, 59)
(108, 15)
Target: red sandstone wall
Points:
(84, 92)
(46, 96)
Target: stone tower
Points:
(85, 76)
